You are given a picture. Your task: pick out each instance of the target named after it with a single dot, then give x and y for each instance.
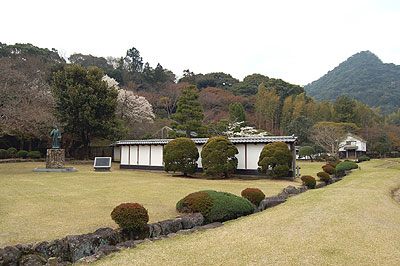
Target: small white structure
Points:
(352, 147)
(148, 154)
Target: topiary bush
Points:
(195, 202)
(254, 195)
(4, 154)
(363, 158)
(181, 155)
(12, 152)
(324, 176)
(329, 169)
(345, 166)
(22, 154)
(34, 154)
(131, 216)
(218, 157)
(335, 163)
(275, 160)
(225, 206)
(309, 181)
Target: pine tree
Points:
(237, 113)
(189, 114)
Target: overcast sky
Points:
(298, 41)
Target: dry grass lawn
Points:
(352, 222)
(45, 206)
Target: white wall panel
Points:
(241, 156)
(199, 148)
(253, 154)
(144, 155)
(124, 154)
(157, 155)
(133, 155)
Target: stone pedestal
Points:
(55, 158)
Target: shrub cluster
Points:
(195, 202)
(276, 157)
(22, 154)
(254, 195)
(345, 166)
(34, 154)
(12, 152)
(329, 169)
(225, 206)
(324, 176)
(218, 157)
(309, 181)
(363, 158)
(130, 216)
(181, 155)
(4, 154)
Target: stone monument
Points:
(55, 157)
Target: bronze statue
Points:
(56, 134)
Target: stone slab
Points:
(63, 170)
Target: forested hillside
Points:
(363, 77)
(37, 86)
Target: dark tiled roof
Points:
(286, 139)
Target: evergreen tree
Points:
(85, 104)
(189, 114)
(237, 113)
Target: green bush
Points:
(308, 181)
(225, 206)
(254, 195)
(181, 155)
(131, 216)
(4, 154)
(324, 176)
(329, 169)
(363, 158)
(195, 202)
(335, 163)
(218, 157)
(345, 166)
(34, 154)
(22, 154)
(275, 156)
(12, 152)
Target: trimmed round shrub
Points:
(4, 154)
(345, 166)
(130, 216)
(34, 154)
(181, 155)
(225, 206)
(22, 154)
(218, 157)
(12, 152)
(196, 202)
(324, 176)
(329, 169)
(254, 195)
(335, 163)
(363, 158)
(275, 160)
(309, 181)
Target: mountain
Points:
(363, 77)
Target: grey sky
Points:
(298, 41)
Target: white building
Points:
(352, 147)
(148, 154)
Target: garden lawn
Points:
(352, 222)
(46, 206)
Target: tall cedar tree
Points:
(237, 113)
(189, 114)
(85, 105)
